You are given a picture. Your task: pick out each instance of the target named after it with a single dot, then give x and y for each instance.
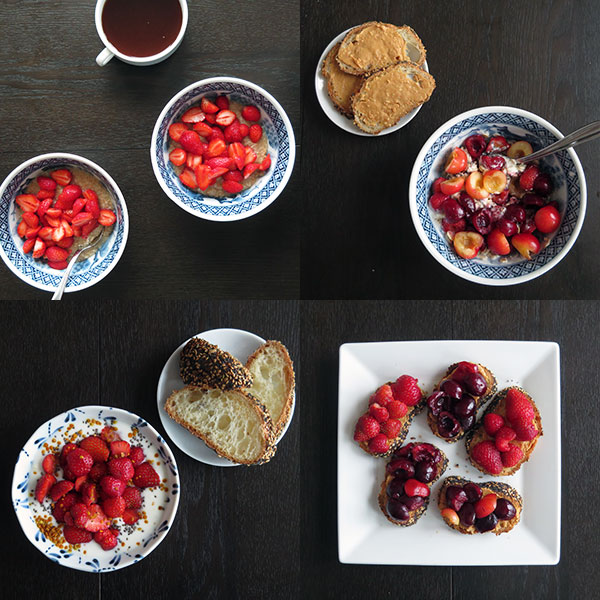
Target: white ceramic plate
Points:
(337, 117)
(365, 536)
(138, 544)
(238, 343)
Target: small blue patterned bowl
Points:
(159, 504)
(569, 191)
(276, 126)
(36, 272)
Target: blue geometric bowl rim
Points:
(69, 157)
(289, 132)
(417, 221)
(98, 408)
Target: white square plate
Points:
(365, 536)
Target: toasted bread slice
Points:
(203, 364)
(341, 86)
(374, 46)
(273, 381)
(502, 490)
(416, 514)
(479, 400)
(478, 433)
(231, 422)
(390, 94)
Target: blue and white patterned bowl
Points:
(36, 272)
(90, 556)
(564, 167)
(276, 126)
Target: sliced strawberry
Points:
(232, 187)
(244, 129)
(66, 227)
(218, 172)
(55, 213)
(22, 228)
(78, 206)
(27, 202)
(249, 169)
(225, 117)
(92, 205)
(237, 151)
(203, 129)
(82, 218)
(137, 456)
(193, 160)
(46, 233)
(191, 142)
(68, 447)
(49, 463)
(107, 217)
(53, 222)
(54, 253)
(119, 448)
(98, 471)
(44, 206)
(178, 156)
(89, 493)
(62, 176)
(251, 113)
(211, 118)
(46, 183)
(79, 482)
(28, 246)
(208, 107)
(130, 516)
(255, 132)
(266, 163)
(215, 147)
(220, 161)
(31, 219)
(44, 195)
(109, 434)
(234, 175)
(32, 232)
(145, 476)
(176, 129)
(45, 482)
(91, 518)
(217, 134)
(59, 489)
(66, 242)
(188, 178)
(59, 266)
(39, 248)
(250, 156)
(87, 229)
(193, 115)
(222, 102)
(76, 536)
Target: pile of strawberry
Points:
(51, 221)
(518, 425)
(387, 406)
(103, 480)
(211, 136)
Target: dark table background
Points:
(326, 325)
(236, 532)
(358, 237)
(53, 97)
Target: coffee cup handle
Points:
(104, 57)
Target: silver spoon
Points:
(92, 240)
(580, 136)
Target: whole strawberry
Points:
(97, 447)
(145, 476)
(487, 455)
(518, 407)
(112, 487)
(121, 468)
(75, 535)
(132, 497)
(406, 389)
(79, 462)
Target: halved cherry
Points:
(437, 200)
(178, 156)
(175, 131)
(193, 115)
(452, 186)
(208, 107)
(497, 144)
(468, 243)
(526, 244)
(519, 149)
(62, 176)
(547, 219)
(188, 178)
(494, 181)
(474, 186)
(27, 202)
(475, 145)
(498, 243)
(225, 117)
(457, 162)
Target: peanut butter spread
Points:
(377, 45)
(341, 86)
(389, 95)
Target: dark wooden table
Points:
(326, 325)
(53, 97)
(237, 530)
(358, 237)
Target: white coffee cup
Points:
(110, 51)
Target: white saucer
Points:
(237, 342)
(337, 117)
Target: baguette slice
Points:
(502, 490)
(272, 373)
(340, 86)
(374, 46)
(478, 433)
(479, 400)
(233, 423)
(416, 514)
(390, 94)
(205, 365)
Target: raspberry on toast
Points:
(479, 435)
(501, 491)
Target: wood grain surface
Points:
(539, 56)
(237, 530)
(327, 325)
(53, 97)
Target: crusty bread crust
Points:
(406, 420)
(289, 376)
(415, 77)
(479, 400)
(478, 433)
(415, 515)
(406, 32)
(268, 431)
(502, 490)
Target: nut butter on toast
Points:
(374, 45)
(341, 86)
(390, 94)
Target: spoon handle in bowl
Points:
(63, 282)
(580, 136)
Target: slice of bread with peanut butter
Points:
(390, 94)
(341, 86)
(373, 46)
